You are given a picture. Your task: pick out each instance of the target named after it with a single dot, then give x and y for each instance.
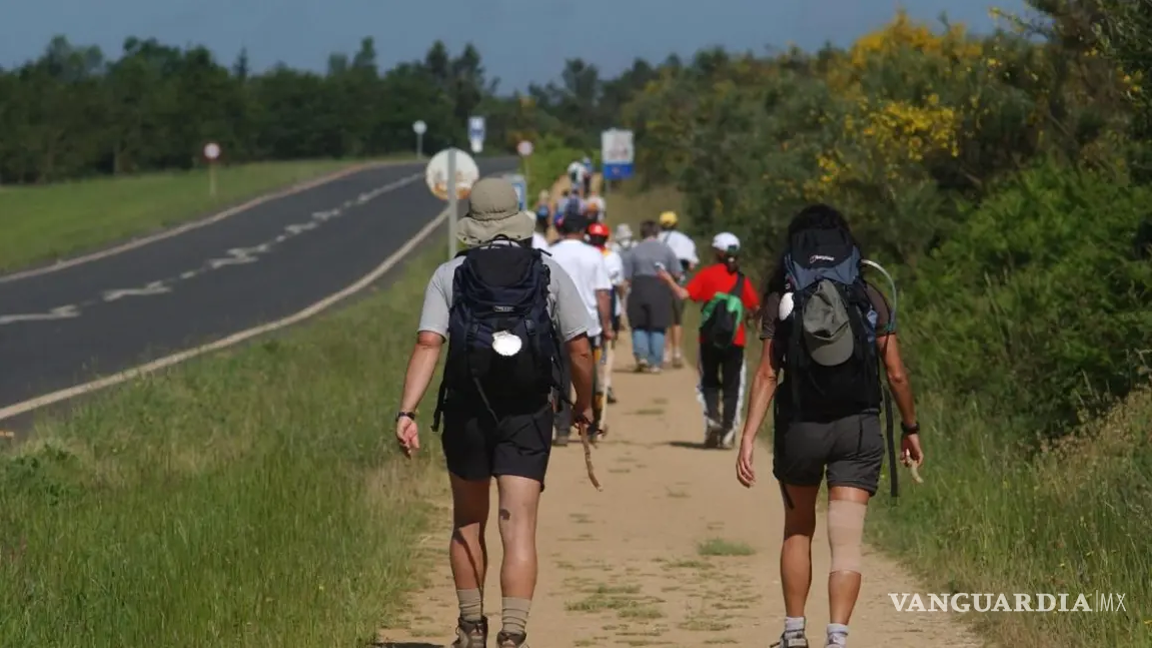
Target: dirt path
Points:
(673, 551)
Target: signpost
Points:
(419, 128)
(476, 133)
(525, 149)
(212, 153)
(617, 155)
(450, 175)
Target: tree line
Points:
(74, 112)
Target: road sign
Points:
(617, 154)
(419, 127)
(436, 174)
(212, 151)
(525, 148)
(476, 133)
(520, 184)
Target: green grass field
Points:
(42, 224)
(253, 498)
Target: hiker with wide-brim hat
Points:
(509, 314)
(827, 330)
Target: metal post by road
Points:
(419, 146)
(451, 203)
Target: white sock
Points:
(837, 634)
(794, 626)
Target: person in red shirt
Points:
(721, 368)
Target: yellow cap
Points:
(668, 218)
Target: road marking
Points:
(154, 288)
(215, 218)
(231, 340)
(236, 256)
(58, 313)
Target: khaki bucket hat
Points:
(494, 210)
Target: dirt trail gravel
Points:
(673, 551)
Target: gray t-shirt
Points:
(564, 303)
(641, 259)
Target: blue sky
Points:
(521, 40)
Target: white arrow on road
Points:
(154, 288)
(58, 313)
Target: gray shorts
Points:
(851, 448)
(677, 311)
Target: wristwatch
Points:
(411, 415)
(910, 429)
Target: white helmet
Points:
(623, 232)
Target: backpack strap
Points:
(738, 289)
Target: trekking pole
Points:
(583, 430)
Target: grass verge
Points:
(43, 223)
(1075, 519)
(252, 498)
(992, 518)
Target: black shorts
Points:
(477, 448)
(852, 448)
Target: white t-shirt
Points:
(585, 264)
(577, 171)
(684, 247)
(614, 264)
(539, 241)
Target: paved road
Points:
(63, 328)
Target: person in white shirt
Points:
(540, 234)
(685, 249)
(614, 263)
(576, 173)
(622, 241)
(585, 265)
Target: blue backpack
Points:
(500, 291)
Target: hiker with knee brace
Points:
(828, 330)
(508, 312)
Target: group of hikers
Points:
(530, 327)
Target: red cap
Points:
(598, 229)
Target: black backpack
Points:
(829, 256)
(722, 315)
(852, 387)
(500, 291)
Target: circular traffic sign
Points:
(419, 128)
(436, 174)
(525, 148)
(212, 150)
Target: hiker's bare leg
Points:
(519, 502)
(844, 579)
(468, 552)
(796, 552)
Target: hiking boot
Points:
(728, 439)
(677, 362)
(654, 369)
(509, 640)
(561, 439)
(712, 434)
(611, 396)
(471, 635)
(641, 365)
(795, 641)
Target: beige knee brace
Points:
(846, 534)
